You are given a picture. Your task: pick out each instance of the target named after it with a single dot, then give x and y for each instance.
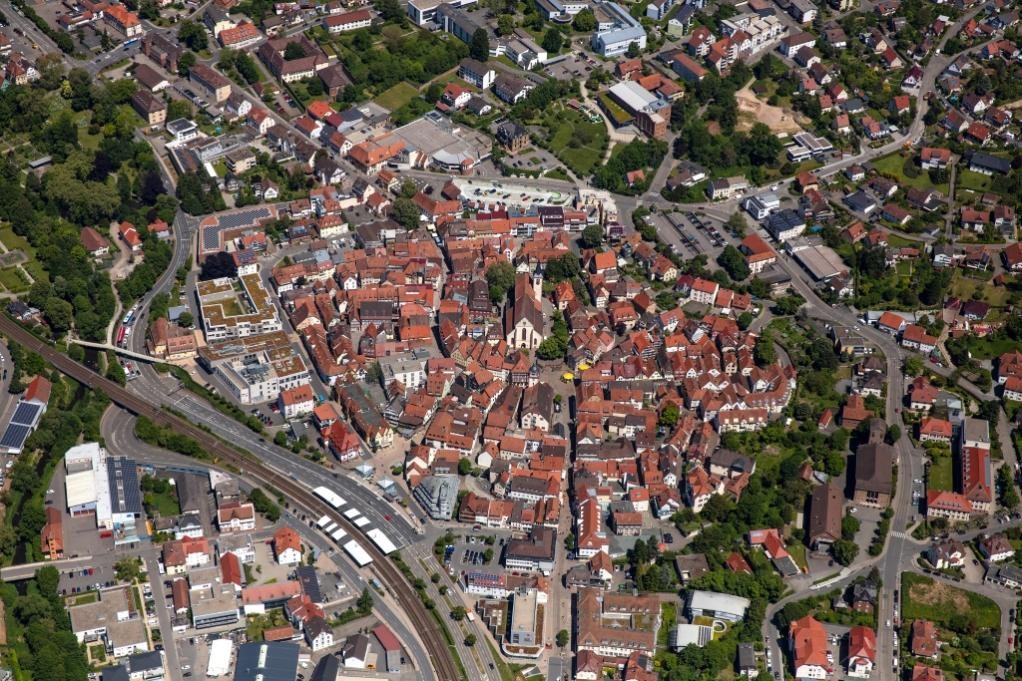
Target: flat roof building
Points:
(616, 31)
(717, 605)
(535, 552)
(235, 308)
(214, 606)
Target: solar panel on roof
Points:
(14, 437)
(26, 413)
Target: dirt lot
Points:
(939, 593)
(777, 119)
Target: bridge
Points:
(120, 351)
(17, 573)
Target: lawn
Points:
(668, 617)
(966, 179)
(165, 504)
(578, 143)
(14, 241)
(895, 241)
(894, 166)
(798, 553)
(989, 347)
(35, 270)
(397, 96)
(82, 599)
(925, 598)
(616, 112)
(964, 286)
(942, 473)
(12, 279)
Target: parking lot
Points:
(576, 65)
(696, 234)
(471, 552)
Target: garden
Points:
(968, 623)
(574, 139)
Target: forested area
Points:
(100, 173)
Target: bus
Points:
(120, 337)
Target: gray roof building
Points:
(438, 495)
(326, 669)
(116, 673)
(125, 494)
(265, 661)
(307, 577)
(535, 552)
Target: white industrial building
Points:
(762, 205)
(105, 487)
(220, 652)
(616, 30)
(716, 605)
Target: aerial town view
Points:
(510, 340)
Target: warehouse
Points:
(821, 262)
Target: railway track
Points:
(392, 578)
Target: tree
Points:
(365, 602)
(733, 262)
(552, 40)
(59, 313)
(592, 236)
(845, 551)
(633, 50)
(294, 50)
(406, 213)
(470, 640)
(179, 108)
(563, 637)
(736, 223)
(500, 278)
(193, 35)
(669, 415)
(458, 613)
(584, 21)
(1009, 496)
(479, 48)
(764, 353)
(570, 542)
(390, 11)
(849, 527)
(464, 466)
(505, 24)
(893, 434)
(128, 569)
